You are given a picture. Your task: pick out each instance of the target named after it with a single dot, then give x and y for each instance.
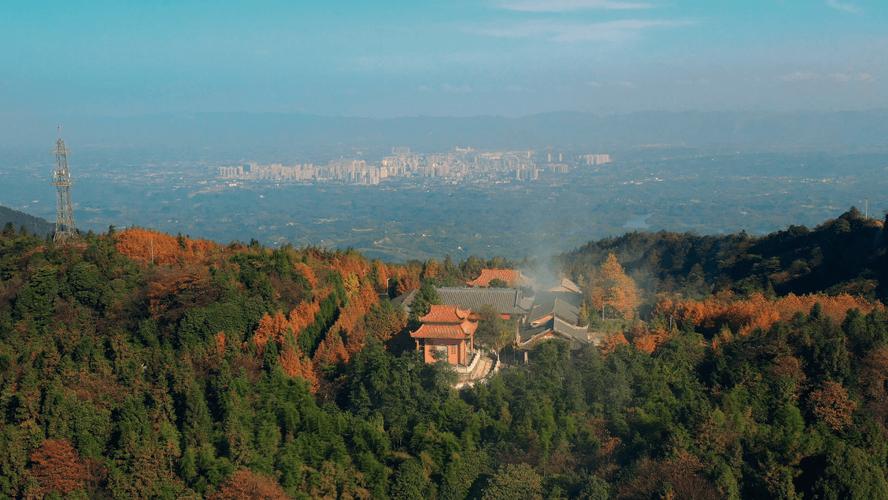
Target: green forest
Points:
(24, 222)
(135, 364)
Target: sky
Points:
(439, 57)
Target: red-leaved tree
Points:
(57, 468)
(247, 485)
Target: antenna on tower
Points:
(61, 178)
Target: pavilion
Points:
(447, 334)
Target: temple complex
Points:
(539, 313)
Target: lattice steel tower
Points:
(61, 179)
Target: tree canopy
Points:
(235, 371)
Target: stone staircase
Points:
(479, 372)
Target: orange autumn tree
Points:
(610, 288)
(834, 307)
(303, 315)
(348, 334)
(348, 263)
(743, 316)
(832, 405)
(381, 274)
(167, 284)
(274, 328)
(331, 350)
(296, 364)
(57, 468)
(649, 339)
(271, 328)
(306, 272)
(221, 342)
(678, 477)
(431, 269)
(147, 246)
(612, 342)
(407, 278)
(245, 484)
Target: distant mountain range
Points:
(303, 134)
(35, 225)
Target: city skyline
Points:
(458, 165)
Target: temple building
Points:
(555, 315)
(510, 277)
(508, 302)
(447, 334)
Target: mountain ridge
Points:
(18, 219)
(291, 132)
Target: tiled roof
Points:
(578, 333)
(510, 276)
(503, 300)
(554, 327)
(445, 314)
(438, 331)
(526, 334)
(554, 314)
(525, 303)
(564, 305)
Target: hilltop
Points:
(35, 225)
(845, 254)
(137, 363)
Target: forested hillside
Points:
(846, 254)
(14, 219)
(138, 364)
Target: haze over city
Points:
(695, 104)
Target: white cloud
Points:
(800, 76)
(447, 88)
(838, 77)
(607, 31)
(450, 88)
(394, 63)
(520, 89)
(843, 6)
(693, 81)
(625, 84)
(851, 77)
(570, 5)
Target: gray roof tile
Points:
(504, 300)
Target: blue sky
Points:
(451, 57)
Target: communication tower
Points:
(61, 178)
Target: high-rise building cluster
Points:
(596, 159)
(273, 171)
(458, 165)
